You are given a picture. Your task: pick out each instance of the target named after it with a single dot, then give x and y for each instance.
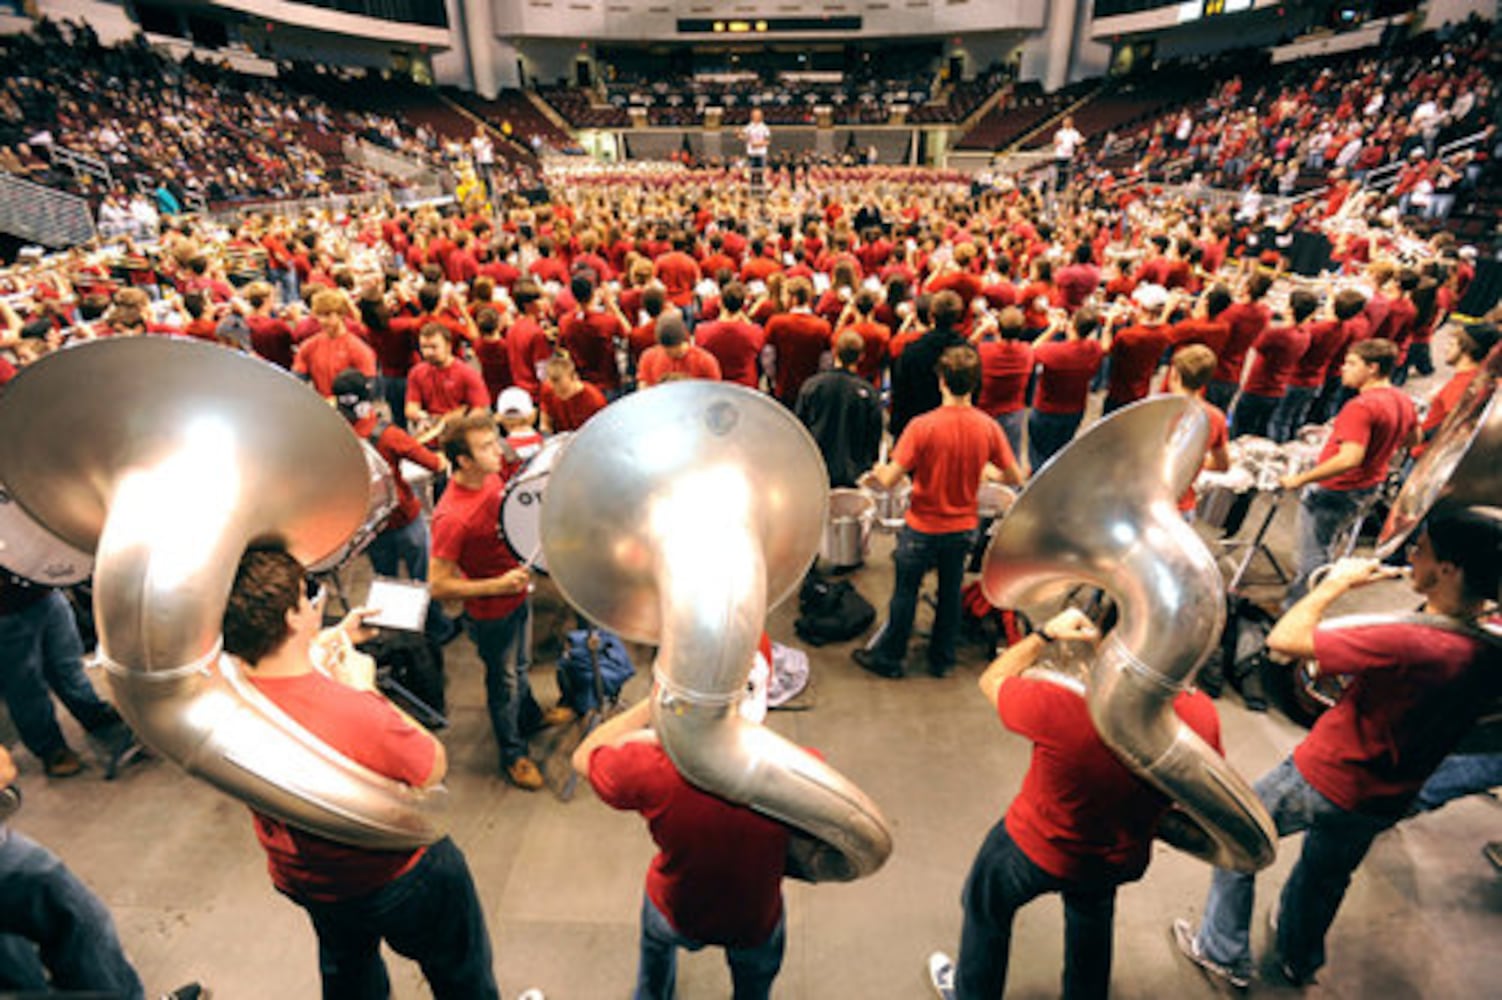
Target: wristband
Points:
(1044, 633)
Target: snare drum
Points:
(31, 552)
(891, 505)
(420, 480)
(378, 508)
(521, 504)
(995, 499)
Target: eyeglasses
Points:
(313, 589)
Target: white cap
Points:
(1150, 297)
(514, 401)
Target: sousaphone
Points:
(165, 458)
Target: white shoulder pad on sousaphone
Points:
(166, 458)
(1104, 512)
(677, 516)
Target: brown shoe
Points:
(524, 774)
(558, 715)
(63, 763)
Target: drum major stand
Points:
(1256, 546)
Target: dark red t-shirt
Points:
(1444, 401)
(1135, 352)
(1213, 333)
(1247, 320)
(1279, 349)
(736, 345)
(590, 338)
(570, 414)
(877, 338)
(271, 338)
(1381, 419)
(495, 364)
(657, 364)
(527, 345)
(466, 531)
(1067, 366)
(1081, 813)
(1326, 340)
(717, 875)
(364, 727)
(442, 390)
(395, 445)
(944, 451)
(1005, 366)
(1417, 689)
(799, 340)
(1219, 438)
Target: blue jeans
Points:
(40, 648)
(1048, 433)
(51, 925)
(751, 969)
(432, 915)
(1012, 425)
(1335, 842)
(918, 552)
(1291, 412)
(1001, 882)
(1457, 776)
(393, 389)
(502, 644)
(1252, 414)
(1324, 516)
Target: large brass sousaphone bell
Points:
(1104, 512)
(166, 458)
(677, 517)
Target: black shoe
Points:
(868, 661)
(188, 991)
(940, 669)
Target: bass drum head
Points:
(33, 553)
(521, 504)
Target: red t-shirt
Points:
(1247, 321)
(679, 273)
(736, 345)
(271, 338)
(657, 364)
(945, 450)
(717, 875)
(1005, 366)
(1381, 419)
(1444, 401)
(527, 345)
(466, 531)
(495, 364)
(591, 340)
(1219, 438)
(1417, 689)
(1135, 353)
(1213, 333)
(443, 390)
(364, 727)
(570, 414)
(1279, 349)
(1067, 366)
(395, 445)
(1081, 813)
(322, 358)
(1327, 338)
(799, 340)
(877, 337)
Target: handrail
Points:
(1377, 178)
(82, 163)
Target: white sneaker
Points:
(941, 975)
(533, 994)
(1183, 937)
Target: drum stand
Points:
(1256, 546)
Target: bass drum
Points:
(31, 552)
(521, 504)
(381, 502)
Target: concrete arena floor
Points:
(178, 865)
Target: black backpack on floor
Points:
(831, 611)
(409, 671)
